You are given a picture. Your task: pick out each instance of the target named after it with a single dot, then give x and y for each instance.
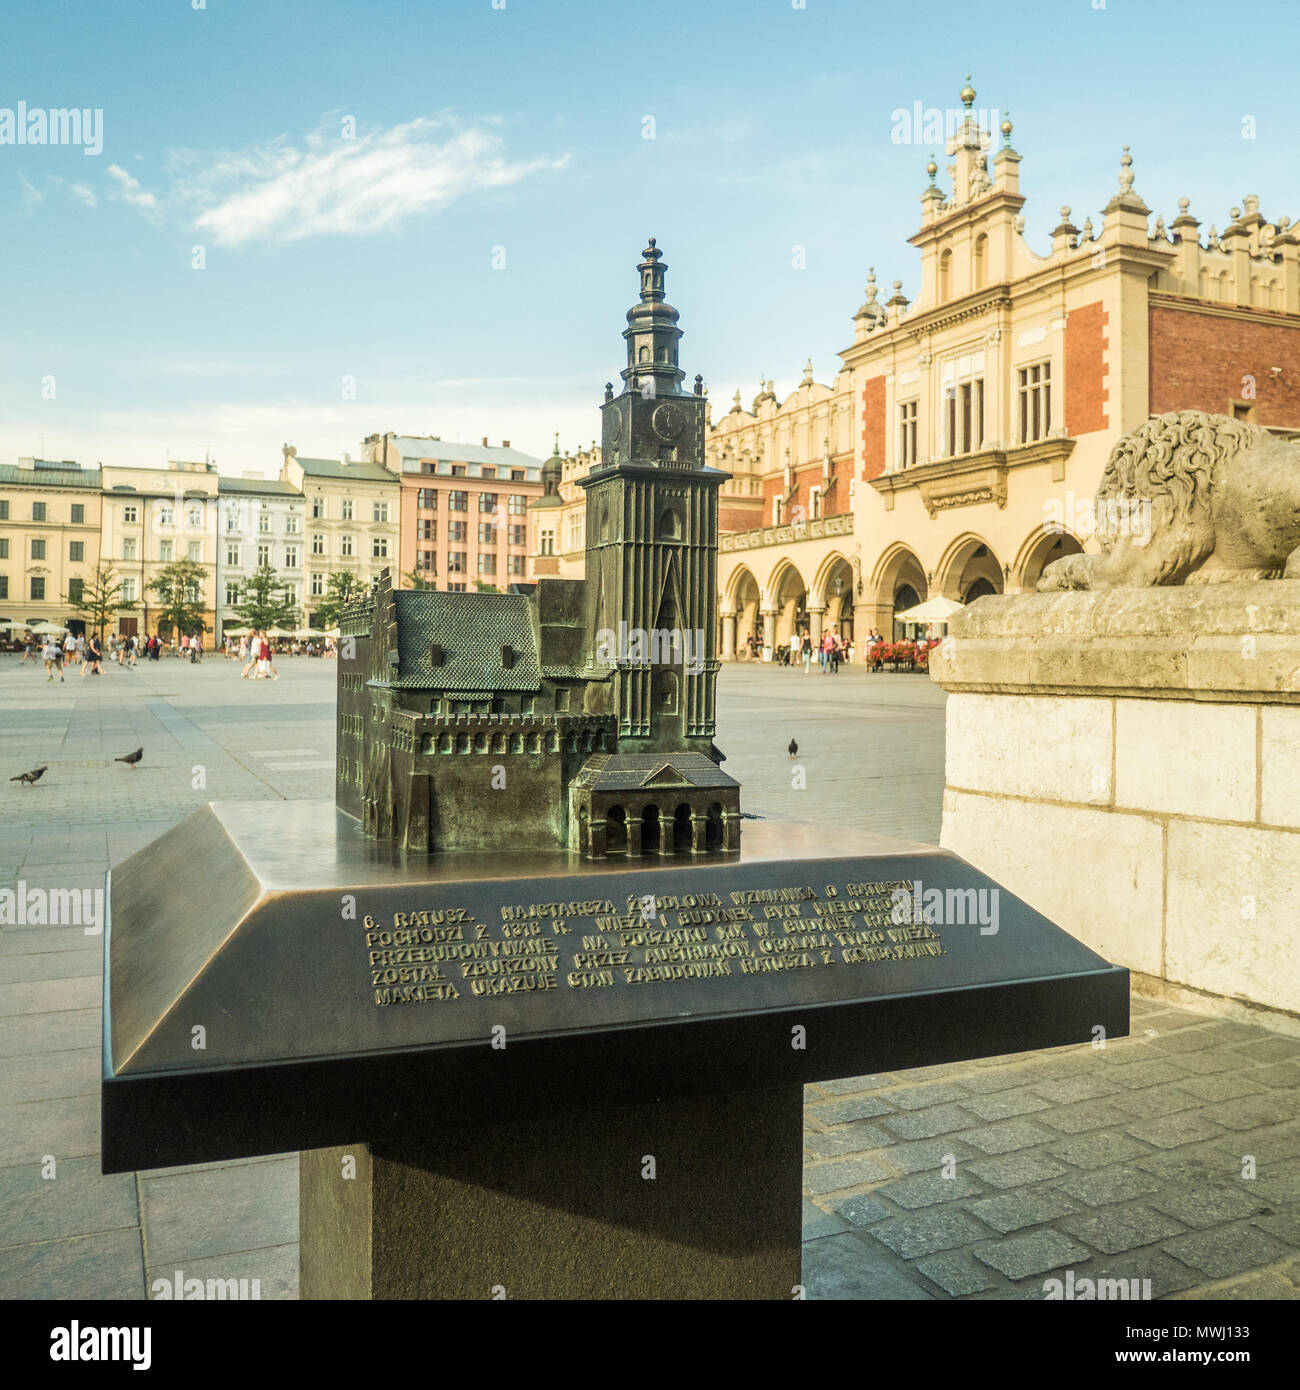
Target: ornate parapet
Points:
(1128, 762)
(840, 525)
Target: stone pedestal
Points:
(1128, 762)
(684, 1198)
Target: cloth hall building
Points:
(960, 444)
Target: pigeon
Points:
(131, 758)
(29, 777)
(794, 748)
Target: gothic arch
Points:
(1040, 548)
(897, 568)
(967, 559)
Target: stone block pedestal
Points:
(1128, 762)
(695, 1198)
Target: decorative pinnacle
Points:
(968, 94)
(1006, 129)
(932, 169)
(1126, 172)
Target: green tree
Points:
(264, 601)
(419, 581)
(179, 589)
(341, 588)
(100, 598)
(486, 588)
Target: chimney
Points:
(505, 443)
(485, 443)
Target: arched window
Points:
(670, 525)
(616, 831)
(981, 260)
(945, 274)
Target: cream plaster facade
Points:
(958, 449)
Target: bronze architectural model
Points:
(575, 714)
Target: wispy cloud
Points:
(280, 192)
(130, 190)
(82, 192)
(32, 196)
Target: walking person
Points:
(69, 650)
(29, 649)
(94, 656)
(250, 648)
(52, 654)
(807, 648)
(266, 653)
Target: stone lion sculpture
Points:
(1191, 498)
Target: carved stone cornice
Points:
(969, 479)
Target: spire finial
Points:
(1126, 171)
(1006, 130)
(968, 94)
(932, 169)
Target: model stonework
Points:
(576, 714)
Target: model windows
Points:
(547, 545)
(379, 548)
(487, 501)
(1035, 402)
(515, 564)
(907, 436)
(347, 545)
(318, 543)
(38, 550)
(347, 509)
(379, 511)
(486, 533)
(76, 551)
(426, 530)
(487, 564)
(78, 513)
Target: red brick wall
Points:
(740, 518)
(873, 427)
(1199, 362)
(1085, 372)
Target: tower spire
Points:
(652, 334)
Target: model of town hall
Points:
(573, 714)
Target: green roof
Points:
(82, 478)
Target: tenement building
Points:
(959, 446)
(576, 713)
(49, 540)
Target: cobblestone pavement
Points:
(1126, 1162)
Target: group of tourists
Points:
(57, 652)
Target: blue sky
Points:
(365, 250)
